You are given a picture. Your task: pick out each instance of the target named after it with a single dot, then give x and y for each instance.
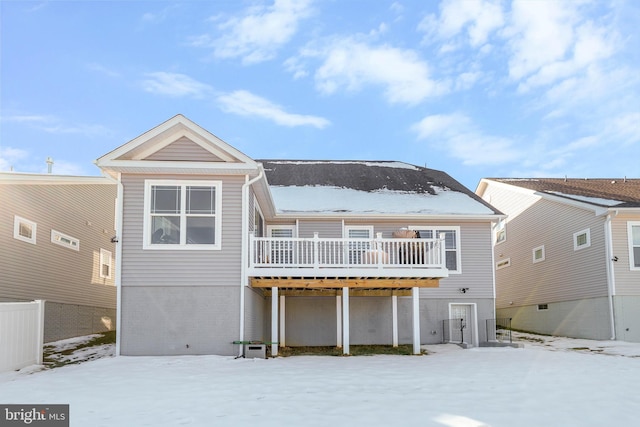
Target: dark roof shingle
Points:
(624, 190)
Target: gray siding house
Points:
(568, 255)
(55, 245)
(216, 248)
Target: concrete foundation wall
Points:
(586, 318)
(177, 320)
(63, 321)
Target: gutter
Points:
(244, 256)
(118, 242)
(611, 281)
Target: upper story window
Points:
(451, 244)
(538, 254)
(65, 240)
(182, 214)
(500, 231)
(24, 230)
(633, 230)
(105, 264)
(582, 239)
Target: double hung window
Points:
(183, 214)
(451, 243)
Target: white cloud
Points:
(175, 84)
(10, 156)
(94, 66)
(351, 64)
(55, 125)
(458, 135)
(245, 103)
(550, 41)
(257, 35)
(478, 19)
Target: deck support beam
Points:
(394, 313)
(416, 320)
(345, 320)
(281, 341)
(338, 321)
(274, 321)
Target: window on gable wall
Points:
(633, 231)
(105, 264)
(500, 231)
(182, 214)
(581, 239)
(538, 254)
(24, 230)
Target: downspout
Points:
(118, 242)
(611, 281)
(244, 252)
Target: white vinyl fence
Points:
(21, 334)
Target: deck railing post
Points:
(443, 249)
(252, 250)
(316, 250)
(379, 250)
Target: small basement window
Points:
(538, 254)
(581, 239)
(24, 230)
(64, 240)
(543, 307)
(503, 263)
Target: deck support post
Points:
(274, 321)
(394, 313)
(415, 295)
(345, 320)
(338, 321)
(281, 341)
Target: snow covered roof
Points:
(368, 187)
(605, 192)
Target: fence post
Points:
(40, 338)
(316, 248)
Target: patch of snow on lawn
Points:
(448, 387)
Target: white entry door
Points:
(462, 323)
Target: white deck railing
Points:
(325, 253)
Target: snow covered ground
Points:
(551, 382)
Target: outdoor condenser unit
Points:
(255, 351)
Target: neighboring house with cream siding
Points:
(568, 255)
(216, 247)
(55, 245)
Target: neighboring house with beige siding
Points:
(216, 247)
(568, 255)
(55, 245)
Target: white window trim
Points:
(577, 247)
(501, 223)
(56, 237)
(534, 250)
(105, 259)
(146, 235)
(345, 232)
(291, 227)
(456, 228)
(630, 225)
(17, 220)
(257, 207)
(505, 263)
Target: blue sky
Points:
(477, 88)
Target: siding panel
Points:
(49, 271)
(181, 267)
